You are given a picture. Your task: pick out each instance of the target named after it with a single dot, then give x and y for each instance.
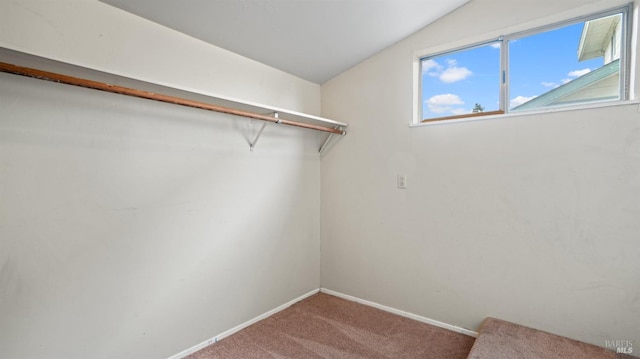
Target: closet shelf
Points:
(43, 69)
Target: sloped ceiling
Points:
(312, 39)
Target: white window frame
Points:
(625, 68)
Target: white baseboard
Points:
(401, 313)
(227, 333)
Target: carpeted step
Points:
(500, 339)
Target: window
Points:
(576, 62)
(462, 82)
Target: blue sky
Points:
(454, 83)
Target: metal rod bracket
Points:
(326, 142)
(252, 144)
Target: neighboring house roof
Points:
(595, 37)
(555, 96)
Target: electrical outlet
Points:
(402, 181)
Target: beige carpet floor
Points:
(500, 339)
(324, 326)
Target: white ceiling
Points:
(313, 39)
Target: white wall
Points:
(532, 219)
(135, 229)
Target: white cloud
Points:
(549, 84)
(453, 74)
(578, 73)
(495, 45)
(517, 101)
(445, 99)
(564, 81)
(430, 65)
(444, 103)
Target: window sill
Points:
(465, 116)
(492, 116)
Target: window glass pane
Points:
(570, 65)
(461, 82)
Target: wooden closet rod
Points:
(75, 81)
